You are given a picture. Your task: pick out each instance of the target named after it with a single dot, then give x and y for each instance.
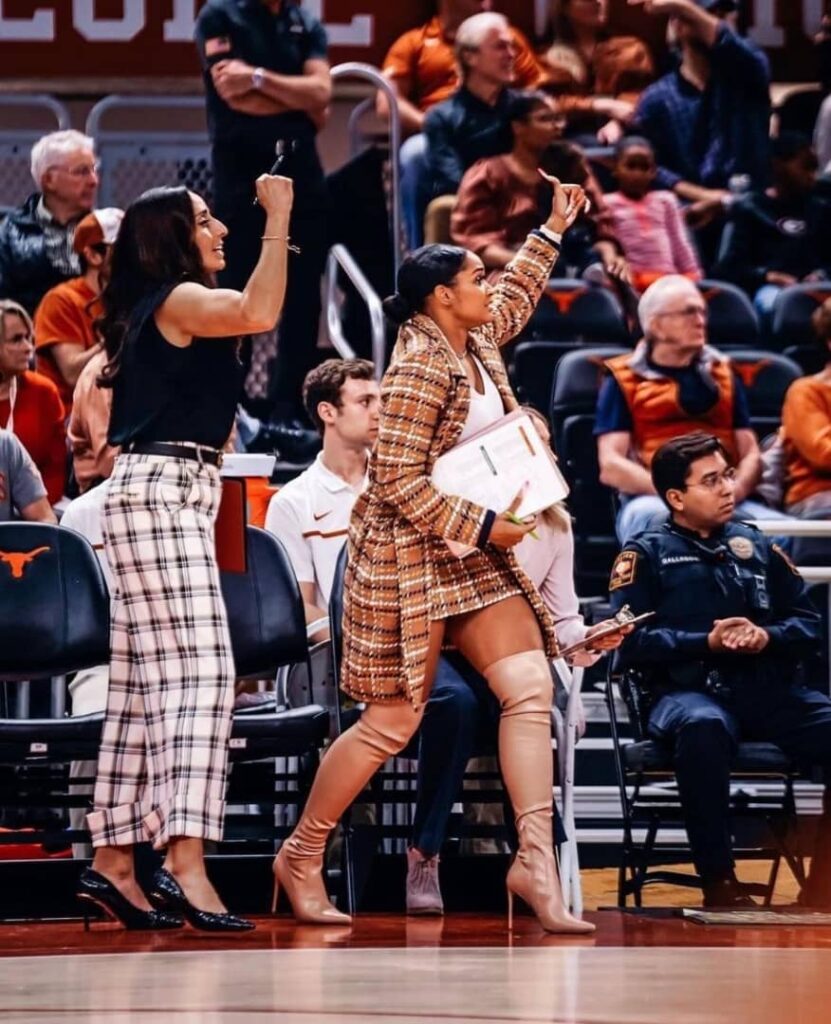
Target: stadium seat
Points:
(577, 381)
(792, 312)
(766, 377)
(437, 220)
(731, 318)
(799, 110)
(55, 618)
(54, 606)
(571, 313)
(577, 311)
(809, 358)
(650, 802)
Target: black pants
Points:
(236, 168)
(704, 734)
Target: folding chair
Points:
(649, 800)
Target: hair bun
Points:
(397, 308)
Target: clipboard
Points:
(615, 626)
(491, 466)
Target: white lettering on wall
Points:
(359, 31)
(765, 31)
(179, 28)
(39, 26)
(37, 29)
(111, 30)
(811, 16)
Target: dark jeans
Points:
(704, 734)
(235, 171)
(460, 720)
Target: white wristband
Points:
(553, 236)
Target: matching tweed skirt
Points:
(163, 761)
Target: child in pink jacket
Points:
(649, 225)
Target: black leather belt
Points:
(198, 453)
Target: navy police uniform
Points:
(243, 148)
(704, 703)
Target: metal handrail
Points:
(793, 527)
(93, 125)
(35, 99)
(820, 574)
(353, 131)
(339, 256)
(357, 69)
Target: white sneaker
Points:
(423, 892)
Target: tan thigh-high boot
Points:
(523, 684)
(380, 733)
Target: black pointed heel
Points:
(94, 888)
(167, 894)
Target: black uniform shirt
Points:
(282, 42)
(689, 582)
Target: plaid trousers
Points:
(163, 762)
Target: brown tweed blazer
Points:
(401, 574)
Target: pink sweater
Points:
(653, 234)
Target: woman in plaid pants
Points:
(175, 377)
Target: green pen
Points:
(518, 522)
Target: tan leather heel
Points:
(533, 877)
(301, 879)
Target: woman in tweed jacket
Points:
(406, 593)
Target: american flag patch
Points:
(217, 45)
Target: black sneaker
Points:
(728, 893)
(288, 440)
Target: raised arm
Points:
(192, 310)
(518, 291)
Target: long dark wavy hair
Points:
(155, 249)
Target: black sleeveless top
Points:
(166, 393)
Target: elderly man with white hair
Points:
(36, 250)
(473, 123)
(673, 383)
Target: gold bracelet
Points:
(281, 238)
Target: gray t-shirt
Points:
(20, 480)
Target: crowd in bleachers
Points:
(690, 186)
(689, 195)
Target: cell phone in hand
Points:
(284, 149)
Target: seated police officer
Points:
(720, 657)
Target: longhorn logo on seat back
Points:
(18, 560)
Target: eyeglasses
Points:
(79, 171)
(688, 312)
(712, 481)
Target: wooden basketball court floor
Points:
(462, 969)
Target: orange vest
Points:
(657, 414)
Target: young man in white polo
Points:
(310, 514)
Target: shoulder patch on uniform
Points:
(624, 569)
(219, 44)
(786, 559)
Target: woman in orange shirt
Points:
(30, 405)
(806, 434)
(600, 74)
